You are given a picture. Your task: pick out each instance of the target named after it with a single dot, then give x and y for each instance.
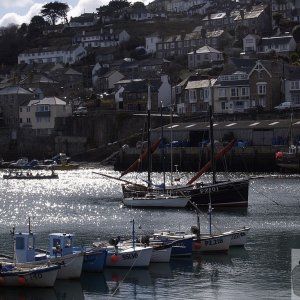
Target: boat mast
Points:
(163, 147)
(148, 135)
(211, 131)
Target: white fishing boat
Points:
(60, 253)
(238, 237)
(126, 254)
(28, 276)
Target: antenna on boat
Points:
(133, 234)
(148, 135)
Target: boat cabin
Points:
(60, 244)
(24, 247)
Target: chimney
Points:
(242, 13)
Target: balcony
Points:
(42, 114)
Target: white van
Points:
(287, 105)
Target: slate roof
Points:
(64, 48)
(12, 90)
(47, 101)
(275, 40)
(198, 84)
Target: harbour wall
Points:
(191, 159)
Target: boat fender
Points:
(195, 230)
(145, 240)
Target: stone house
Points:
(181, 45)
(256, 20)
(135, 94)
(106, 37)
(247, 84)
(106, 82)
(71, 82)
(84, 20)
(10, 100)
(195, 96)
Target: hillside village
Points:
(243, 55)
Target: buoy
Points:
(21, 280)
(197, 245)
(115, 278)
(114, 258)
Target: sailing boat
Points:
(151, 197)
(225, 193)
(289, 160)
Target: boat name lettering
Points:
(214, 242)
(235, 236)
(130, 256)
(181, 244)
(36, 276)
(208, 190)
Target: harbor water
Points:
(89, 205)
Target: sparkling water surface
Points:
(89, 205)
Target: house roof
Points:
(47, 101)
(64, 48)
(275, 40)
(215, 16)
(255, 12)
(71, 71)
(207, 49)
(198, 84)
(142, 86)
(12, 90)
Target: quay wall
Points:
(191, 159)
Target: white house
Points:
(40, 114)
(250, 43)
(59, 54)
(279, 44)
(151, 41)
(205, 55)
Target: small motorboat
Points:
(60, 253)
(28, 276)
(30, 175)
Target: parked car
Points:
(80, 111)
(287, 105)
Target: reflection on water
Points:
(9, 293)
(68, 290)
(89, 206)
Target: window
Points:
(244, 91)
(20, 120)
(261, 89)
(234, 92)
(294, 85)
(20, 109)
(222, 92)
(28, 108)
(28, 120)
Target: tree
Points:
(296, 33)
(113, 7)
(36, 26)
(138, 5)
(54, 11)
